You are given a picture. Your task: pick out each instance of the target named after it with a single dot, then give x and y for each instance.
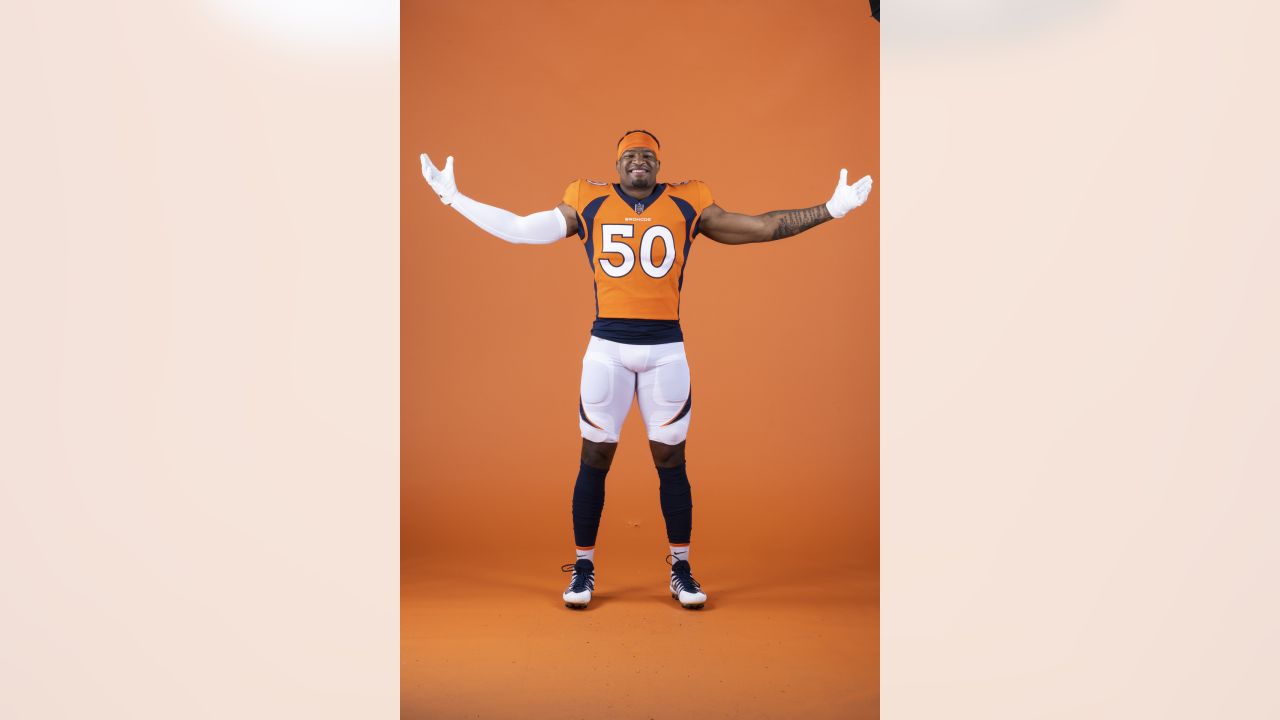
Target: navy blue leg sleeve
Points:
(588, 503)
(677, 503)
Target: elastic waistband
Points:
(632, 331)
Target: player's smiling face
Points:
(638, 168)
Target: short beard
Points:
(645, 183)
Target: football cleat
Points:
(581, 585)
(684, 588)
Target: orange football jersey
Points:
(638, 249)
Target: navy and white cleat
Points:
(684, 588)
(581, 585)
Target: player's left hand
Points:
(847, 197)
(440, 180)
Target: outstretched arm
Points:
(537, 229)
(735, 229)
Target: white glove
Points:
(846, 197)
(440, 180)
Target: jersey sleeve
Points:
(704, 196)
(571, 194)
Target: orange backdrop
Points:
(765, 102)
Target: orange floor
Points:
(776, 640)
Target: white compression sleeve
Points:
(537, 229)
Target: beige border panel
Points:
(1081, 336)
(199, 383)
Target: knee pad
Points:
(675, 430)
(591, 431)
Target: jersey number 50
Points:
(609, 245)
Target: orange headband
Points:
(638, 139)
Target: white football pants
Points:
(612, 373)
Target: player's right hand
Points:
(440, 180)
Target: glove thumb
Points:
(844, 176)
(448, 165)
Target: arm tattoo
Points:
(793, 222)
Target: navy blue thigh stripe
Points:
(582, 411)
(688, 405)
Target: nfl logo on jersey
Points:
(639, 207)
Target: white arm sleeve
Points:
(539, 228)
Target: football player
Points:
(637, 234)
